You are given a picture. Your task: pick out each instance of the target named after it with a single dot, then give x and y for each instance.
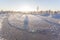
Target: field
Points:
(29, 27)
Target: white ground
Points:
(31, 23)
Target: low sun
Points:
(26, 8)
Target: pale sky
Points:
(29, 4)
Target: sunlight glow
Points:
(26, 8)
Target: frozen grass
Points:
(29, 27)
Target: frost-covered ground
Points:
(29, 27)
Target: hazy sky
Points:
(18, 4)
